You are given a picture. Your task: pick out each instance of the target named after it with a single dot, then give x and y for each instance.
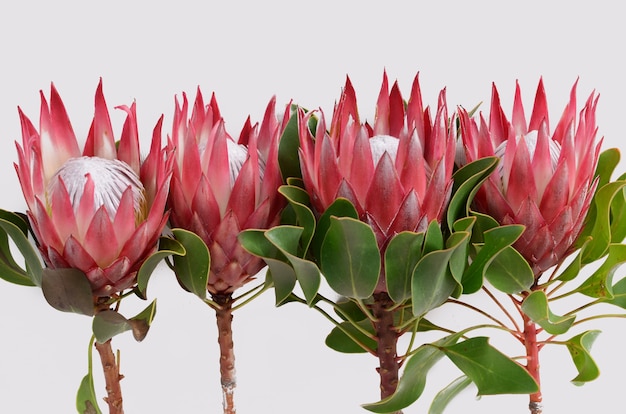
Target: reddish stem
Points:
(112, 377)
(387, 337)
(532, 364)
(224, 315)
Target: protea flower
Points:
(397, 173)
(545, 180)
(221, 186)
(100, 210)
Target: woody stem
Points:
(112, 377)
(387, 337)
(224, 315)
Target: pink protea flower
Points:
(221, 186)
(397, 173)
(545, 181)
(100, 210)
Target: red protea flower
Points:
(544, 181)
(99, 210)
(221, 187)
(397, 173)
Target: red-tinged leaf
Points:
(68, 290)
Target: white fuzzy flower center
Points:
(531, 144)
(379, 144)
(110, 179)
(237, 156)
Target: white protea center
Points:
(531, 144)
(379, 144)
(111, 178)
(237, 156)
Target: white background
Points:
(247, 52)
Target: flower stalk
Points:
(112, 377)
(532, 363)
(387, 338)
(228, 379)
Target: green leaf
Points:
(432, 281)
(342, 338)
(607, 161)
(535, 306)
(598, 222)
(341, 207)
(413, 379)
(280, 273)
(600, 284)
(86, 400)
(107, 324)
(283, 277)
(467, 180)
(618, 216)
(289, 143)
(299, 200)
(192, 269)
(619, 294)
(496, 240)
(579, 347)
(491, 371)
(446, 395)
(14, 226)
(509, 272)
(350, 259)
(401, 256)
(140, 324)
(167, 247)
(346, 308)
(286, 240)
(433, 239)
(68, 290)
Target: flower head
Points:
(221, 186)
(100, 210)
(545, 181)
(396, 172)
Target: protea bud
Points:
(101, 210)
(221, 186)
(545, 180)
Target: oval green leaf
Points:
(192, 269)
(350, 259)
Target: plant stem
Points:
(112, 377)
(532, 364)
(224, 316)
(387, 337)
